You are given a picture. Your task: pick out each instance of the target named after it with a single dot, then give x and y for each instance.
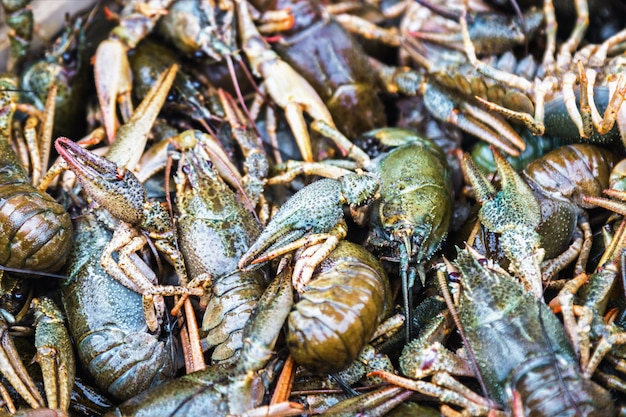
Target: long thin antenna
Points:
(443, 285)
(25, 271)
(407, 294)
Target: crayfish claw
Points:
(288, 89)
(514, 213)
(120, 193)
(483, 188)
(131, 137)
(55, 354)
(113, 83)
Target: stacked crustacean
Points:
(297, 207)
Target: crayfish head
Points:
(418, 218)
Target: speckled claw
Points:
(514, 213)
(117, 189)
(320, 200)
(285, 86)
(55, 353)
(109, 180)
(310, 216)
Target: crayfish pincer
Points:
(539, 212)
(311, 216)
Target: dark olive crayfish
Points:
(521, 351)
(117, 343)
(542, 368)
(410, 219)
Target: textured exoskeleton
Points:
(107, 321)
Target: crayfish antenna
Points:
(407, 275)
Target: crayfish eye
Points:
(67, 58)
(173, 97)
(454, 277)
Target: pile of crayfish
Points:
(288, 207)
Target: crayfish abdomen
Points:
(339, 309)
(35, 230)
